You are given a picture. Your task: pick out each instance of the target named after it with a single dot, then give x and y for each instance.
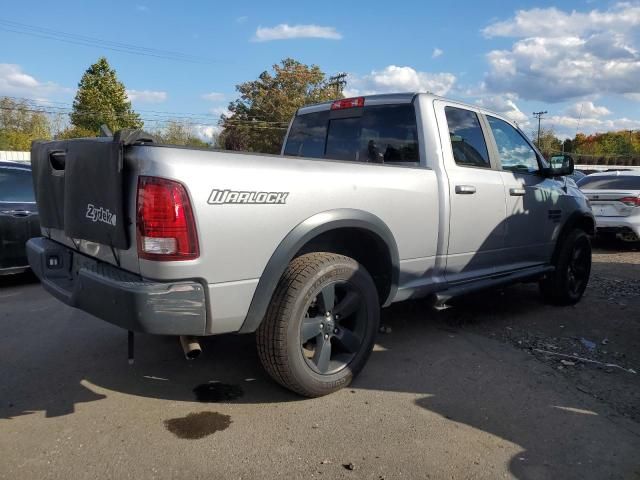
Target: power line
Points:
(338, 81)
(50, 34)
(157, 118)
(539, 115)
(163, 121)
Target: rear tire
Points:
(320, 327)
(566, 285)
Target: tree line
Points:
(620, 147)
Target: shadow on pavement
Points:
(55, 358)
(15, 280)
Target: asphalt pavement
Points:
(444, 395)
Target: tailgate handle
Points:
(57, 159)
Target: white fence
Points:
(22, 157)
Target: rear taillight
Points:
(631, 201)
(166, 227)
(348, 103)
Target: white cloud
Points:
(213, 96)
(436, 53)
(146, 96)
(505, 105)
(15, 82)
(242, 19)
(206, 133)
(218, 111)
(286, 32)
(399, 79)
(587, 110)
(552, 22)
(560, 56)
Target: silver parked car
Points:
(615, 201)
(373, 200)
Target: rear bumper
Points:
(117, 296)
(618, 223)
(13, 270)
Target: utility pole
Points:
(339, 81)
(539, 115)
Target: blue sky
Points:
(579, 60)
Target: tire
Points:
(566, 285)
(296, 332)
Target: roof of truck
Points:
(389, 98)
(384, 98)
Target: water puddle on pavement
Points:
(198, 425)
(217, 392)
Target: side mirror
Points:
(560, 165)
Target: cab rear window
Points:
(375, 134)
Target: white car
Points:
(615, 201)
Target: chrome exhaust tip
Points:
(190, 347)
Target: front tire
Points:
(320, 327)
(566, 285)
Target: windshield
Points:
(16, 185)
(613, 182)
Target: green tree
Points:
(548, 143)
(75, 132)
(180, 133)
(258, 119)
(101, 99)
(20, 124)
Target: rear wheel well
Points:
(364, 246)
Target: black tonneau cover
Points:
(79, 186)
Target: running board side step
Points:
(442, 297)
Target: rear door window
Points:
(16, 185)
(467, 140)
(375, 134)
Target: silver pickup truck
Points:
(374, 200)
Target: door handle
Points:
(465, 189)
(517, 192)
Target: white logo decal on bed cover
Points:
(99, 214)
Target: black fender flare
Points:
(575, 219)
(300, 235)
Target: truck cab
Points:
(499, 207)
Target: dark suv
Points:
(18, 216)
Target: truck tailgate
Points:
(83, 197)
